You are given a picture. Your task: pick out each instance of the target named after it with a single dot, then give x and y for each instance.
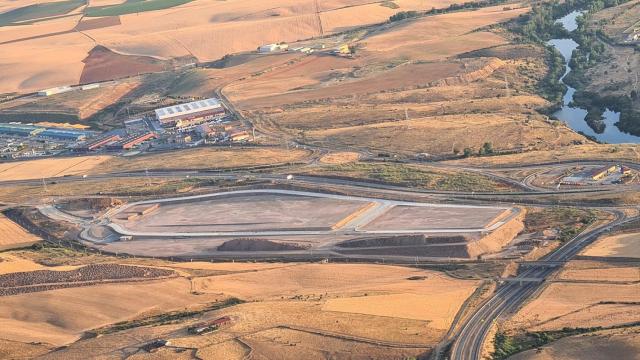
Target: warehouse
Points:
(189, 115)
(20, 130)
(64, 135)
(100, 142)
(132, 141)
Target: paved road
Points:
(511, 295)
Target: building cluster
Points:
(609, 173)
(269, 48)
(50, 133)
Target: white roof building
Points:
(172, 113)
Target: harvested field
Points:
(594, 272)
(45, 168)
(206, 158)
(584, 305)
(407, 306)
(338, 158)
(103, 64)
(60, 316)
(19, 350)
(609, 344)
(275, 343)
(623, 245)
(343, 280)
(13, 235)
(44, 280)
(90, 24)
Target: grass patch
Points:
(390, 5)
(506, 346)
(132, 7)
(37, 11)
(413, 175)
(164, 319)
(569, 221)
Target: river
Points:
(574, 116)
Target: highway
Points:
(468, 343)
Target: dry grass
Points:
(338, 158)
(569, 153)
(588, 271)
(207, 158)
(624, 245)
(306, 297)
(579, 305)
(609, 344)
(13, 235)
(45, 168)
(60, 316)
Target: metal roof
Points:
(188, 108)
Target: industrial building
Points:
(44, 132)
(600, 173)
(132, 141)
(64, 134)
(99, 142)
(591, 176)
(188, 116)
(20, 130)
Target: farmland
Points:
(45, 168)
(13, 235)
(274, 312)
(132, 6)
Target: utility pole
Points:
(506, 82)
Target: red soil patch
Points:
(98, 23)
(103, 64)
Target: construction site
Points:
(289, 223)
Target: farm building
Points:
(204, 327)
(189, 115)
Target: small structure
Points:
(208, 326)
(90, 86)
(55, 90)
(602, 172)
(239, 136)
(273, 47)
